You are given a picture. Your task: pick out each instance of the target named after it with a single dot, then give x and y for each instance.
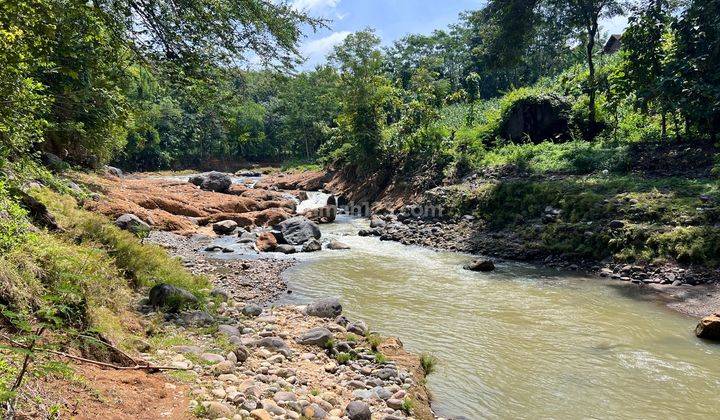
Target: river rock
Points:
(315, 337)
(113, 171)
(377, 222)
(251, 310)
(216, 410)
(358, 410)
(709, 327)
(220, 294)
(170, 297)
(480, 265)
(285, 249)
(337, 245)
(229, 330)
(313, 245)
(247, 237)
(132, 223)
(358, 327)
(225, 227)
(241, 354)
(325, 308)
(273, 343)
(212, 181)
(266, 242)
(298, 230)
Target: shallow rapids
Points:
(520, 342)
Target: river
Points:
(520, 342)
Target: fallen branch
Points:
(137, 366)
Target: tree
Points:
(644, 66)
(695, 64)
(585, 16)
(366, 93)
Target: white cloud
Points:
(318, 48)
(314, 4)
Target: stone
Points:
(337, 245)
(313, 245)
(358, 327)
(317, 336)
(709, 327)
(251, 310)
(186, 349)
(113, 171)
(260, 414)
(284, 396)
(171, 298)
(195, 318)
(212, 181)
(225, 227)
(298, 230)
(247, 237)
(132, 223)
(216, 410)
(225, 367)
(377, 222)
(228, 330)
(325, 308)
(266, 242)
(482, 265)
(358, 410)
(220, 294)
(241, 354)
(275, 344)
(212, 357)
(394, 403)
(285, 249)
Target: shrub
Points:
(428, 363)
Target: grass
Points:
(380, 358)
(374, 341)
(428, 363)
(407, 405)
(145, 265)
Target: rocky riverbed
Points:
(243, 357)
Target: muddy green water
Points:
(520, 342)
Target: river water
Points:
(520, 342)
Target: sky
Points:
(392, 19)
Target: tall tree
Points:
(644, 67)
(585, 16)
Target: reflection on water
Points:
(519, 342)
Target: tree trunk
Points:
(592, 33)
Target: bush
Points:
(428, 363)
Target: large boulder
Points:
(132, 223)
(285, 249)
(225, 227)
(113, 171)
(171, 297)
(266, 242)
(481, 264)
(325, 308)
(325, 214)
(709, 327)
(315, 337)
(536, 118)
(212, 181)
(297, 230)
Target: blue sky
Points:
(392, 19)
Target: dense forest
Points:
(148, 86)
